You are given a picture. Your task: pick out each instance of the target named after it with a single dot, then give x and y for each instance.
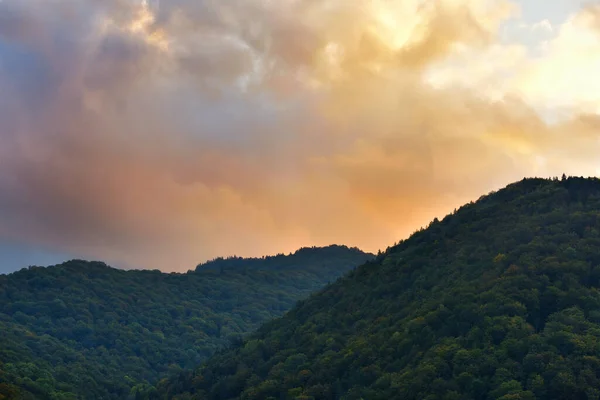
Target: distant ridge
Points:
(84, 330)
(280, 261)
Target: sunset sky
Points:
(161, 134)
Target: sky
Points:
(160, 134)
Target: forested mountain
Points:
(499, 300)
(83, 330)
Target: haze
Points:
(159, 135)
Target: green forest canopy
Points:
(499, 300)
(83, 330)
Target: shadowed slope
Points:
(87, 331)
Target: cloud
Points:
(556, 76)
(543, 25)
(160, 135)
(563, 75)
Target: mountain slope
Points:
(498, 301)
(85, 330)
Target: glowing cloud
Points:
(158, 135)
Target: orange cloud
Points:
(159, 137)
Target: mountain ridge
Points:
(208, 264)
(87, 330)
(498, 300)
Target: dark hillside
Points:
(500, 301)
(83, 330)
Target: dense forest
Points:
(499, 300)
(83, 330)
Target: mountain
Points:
(83, 330)
(499, 300)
